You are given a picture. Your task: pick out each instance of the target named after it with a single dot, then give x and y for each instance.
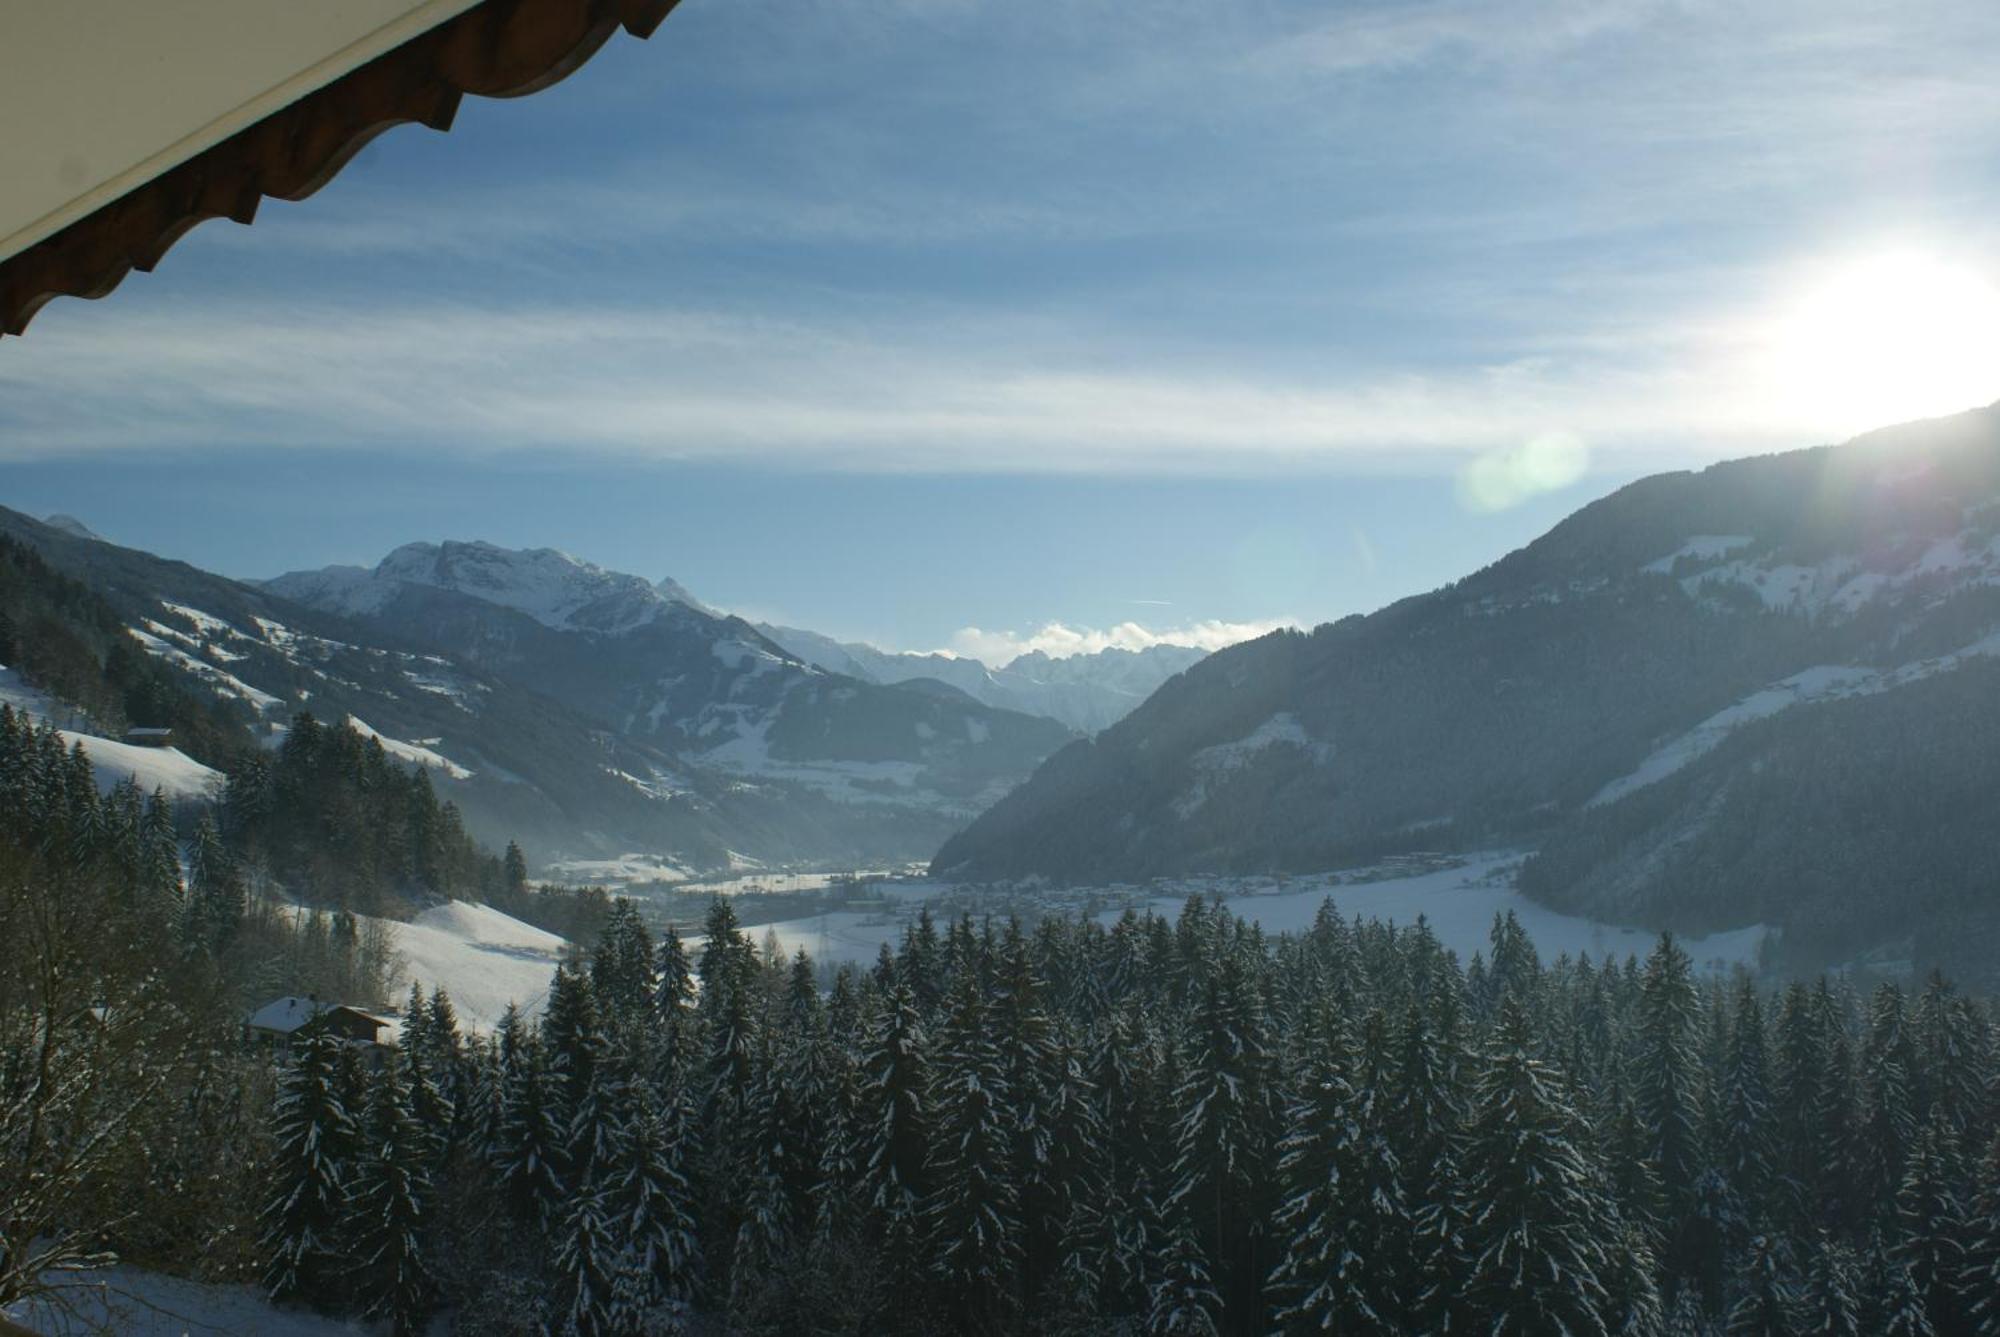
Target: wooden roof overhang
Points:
(497, 48)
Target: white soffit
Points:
(98, 97)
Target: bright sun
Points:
(1886, 338)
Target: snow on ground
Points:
(1281, 730)
(626, 868)
(39, 705)
(483, 958)
(1823, 682)
(748, 754)
(411, 752)
(1459, 903)
(227, 683)
(168, 768)
(1703, 547)
(135, 1303)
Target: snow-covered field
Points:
(482, 958)
(1459, 902)
(411, 752)
(135, 1303)
(167, 768)
(1823, 682)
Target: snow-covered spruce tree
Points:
(1830, 1303)
(572, 1036)
(972, 1216)
(1024, 1041)
(1888, 1123)
(213, 908)
(1979, 1274)
(1078, 1174)
(765, 1225)
(1539, 1223)
(1667, 1090)
(1182, 1302)
(1765, 1307)
(649, 1201)
(529, 1154)
(896, 1128)
(1632, 1305)
(1900, 1306)
(586, 1266)
(1743, 1141)
(1224, 1134)
(621, 967)
(1931, 1227)
(1314, 1287)
(1797, 1069)
(389, 1208)
(315, 1139)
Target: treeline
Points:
(331, 817)
(131, 1118)
(66, 639)
(1156, 1127)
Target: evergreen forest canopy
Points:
(1153, 1127)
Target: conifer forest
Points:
(1161, 1126)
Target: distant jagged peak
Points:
(549, 585)
(72, 526)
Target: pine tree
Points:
(390, 1210)
(1765, 1309)
(1538, 1224)
(586, 1264)
(307, 1209)
(649, 1201)
(972, 1217)
(1931, 1226)
(532, 1141)
(1667, 1088)
(897, 1123)
(1830, 1306)
(1223, 1136)
(1979, 1275)
(1313, 1288)
(1182, 1302)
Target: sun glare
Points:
(1886, 338)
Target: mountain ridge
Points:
(1494, 710)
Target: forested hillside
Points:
(1157, 1127)
(1626, 692)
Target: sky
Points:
(944, 323)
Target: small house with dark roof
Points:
(283, 1021)
(150, 737)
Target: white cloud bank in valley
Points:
(1059, 641)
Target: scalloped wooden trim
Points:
(500, 48)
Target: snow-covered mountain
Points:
(680, 736)
(658, 668)
(1087, 692)
(555, 589)
(1758, 693)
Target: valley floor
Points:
(1459, 901)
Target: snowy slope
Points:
(484, 959)
(167, 768)
(411, 752)
(132, 1302)
(1823, 682)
